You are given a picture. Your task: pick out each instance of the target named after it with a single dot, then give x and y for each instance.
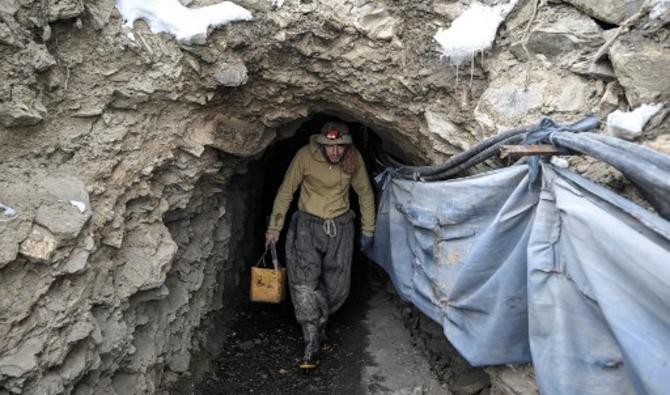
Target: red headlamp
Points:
(333, 134)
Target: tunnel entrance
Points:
(254, 347)
(260, 344)
(263, 343)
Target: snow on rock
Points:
(188, 25)
(473, 31)
(277, 3)
(629, 125)
(560, 162)
(81, 206)
(7, 211)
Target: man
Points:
(319, 243)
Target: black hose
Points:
(457, 159)
(489, 146)
(474, 160)
(642, 167)
(649, 154)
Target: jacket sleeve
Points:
(292, 180)
(366, 199)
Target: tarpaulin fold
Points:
(569, 276)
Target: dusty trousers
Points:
(318, 256)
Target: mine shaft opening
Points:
(257, 345)
(242, 345)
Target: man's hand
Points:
(366, 241)
(271, 237)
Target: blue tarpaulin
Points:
(566, 275)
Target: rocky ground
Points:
(371, 349)
(263, 346)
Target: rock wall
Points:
(120, 221)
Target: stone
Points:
(9, 6)
(76, 262)
(24, 109)
(446, 136)
(601, 70)
(470, 383)
(23, 361)
(64, 9)
(14, 228)
(230, 135)
(67, 188)
(371, 18)
(508, 103)
(146, 259)
(610, 11)
(564, 35)
(450, 10)
(610, 99)
(41, 58)
(128, 99)
(39, 246)
(62, 219)
(375, 21)
(231, 74)
(642, 68)
(505, 103)
(572, 95)
(65, 210)
(512, 380)
(7, 36)
(660, 143)
(100, 12)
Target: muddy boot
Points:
(311, 347)
(323, 339)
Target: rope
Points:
(329, 227)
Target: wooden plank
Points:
(526, 150)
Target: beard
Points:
(333, 162)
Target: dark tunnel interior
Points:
(265, 338)
(260, 345)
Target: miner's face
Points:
(334, 152)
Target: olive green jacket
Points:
(324, 189)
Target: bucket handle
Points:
(275, 261)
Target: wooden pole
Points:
(526, 150)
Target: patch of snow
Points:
(277, 3)
(188, 25)
(560, 162)
(474, 30)
(81, 206)
(629, 125)
(658, 8)
(7, 211)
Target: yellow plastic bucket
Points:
(268, 285)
